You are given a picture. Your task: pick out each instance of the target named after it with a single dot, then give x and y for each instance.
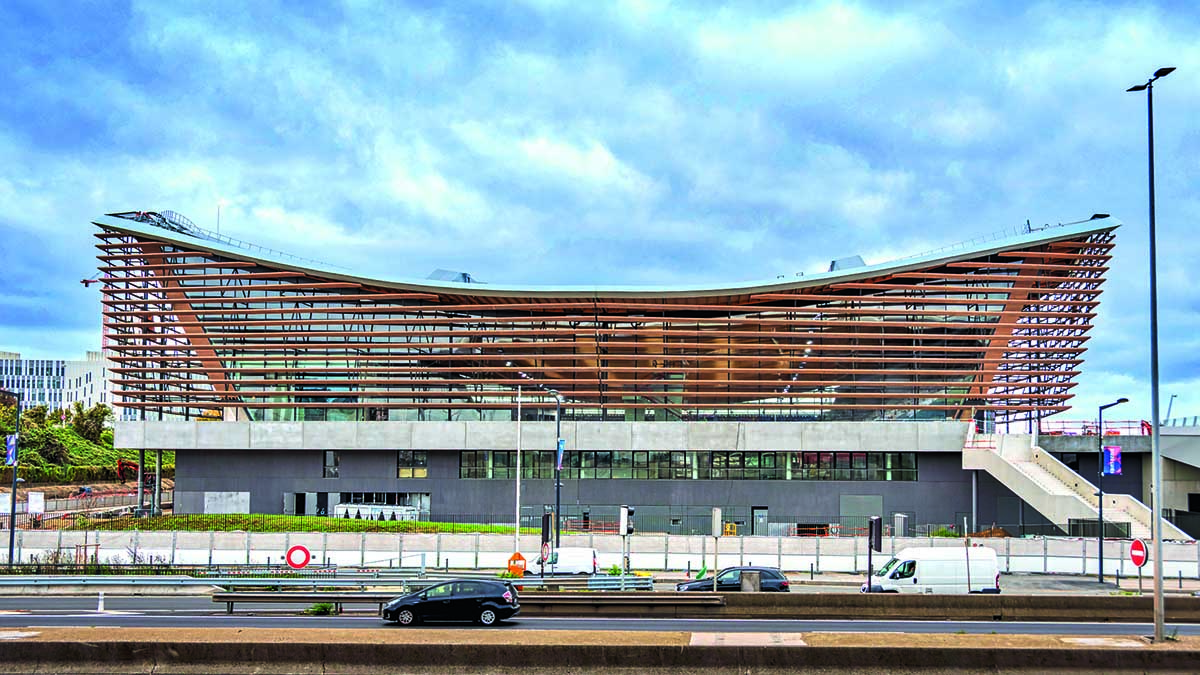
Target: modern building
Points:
(56, 383)
(285, 385)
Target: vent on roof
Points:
(448, 275)
(846, 263)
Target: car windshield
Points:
(887, 568)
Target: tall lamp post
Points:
(12, 499)
(1156, 457)
(517, 517)
(558, 457)
(1100, 479)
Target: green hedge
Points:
(54, 474)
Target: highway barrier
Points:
(310, 653)
(982, 607)
(537, 604)
(797, 606)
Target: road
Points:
(201, 612)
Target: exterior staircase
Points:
(1051, 487)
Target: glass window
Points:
(472, 464)
(875, 466)
(824, 465)
(660, 464)
(331, 464)
(720, 465)
(412, 464)
(858, 466)
(622, 464)
(769, 468)
(641, 464)
(604, 464)
(808, 466)
(680, 469)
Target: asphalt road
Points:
(200, 612)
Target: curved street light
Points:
(558, 456)
(1156, 457)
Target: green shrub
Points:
(320, 609)
(69, 446)
(943, 532)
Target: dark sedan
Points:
(484, 601)
(730, 579)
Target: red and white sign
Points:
(1137, 553)
(298, 557)
(545, 551)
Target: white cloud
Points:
(643, 141)
(833, 46)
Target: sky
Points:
(636, 142)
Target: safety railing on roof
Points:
(175, 222)
(1089, 428)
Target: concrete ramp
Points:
(1051, 487)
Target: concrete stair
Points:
(1051, 487)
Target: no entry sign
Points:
(1137, 553)
(298, 557)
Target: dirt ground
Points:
(71, 490)
(558, 637)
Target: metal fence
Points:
(572, 524)
(56, 507)
(480, 551)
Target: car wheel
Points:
(405, 617)
(487, 617)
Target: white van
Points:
(572, 561)
(939, 570)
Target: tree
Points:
(34, 418)
(90, 423)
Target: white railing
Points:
(648, 552)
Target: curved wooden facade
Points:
(198, 327)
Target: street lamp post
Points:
(517, 517)
(557, 467)
(1156, 457)
(1100, 480)
(12, 499)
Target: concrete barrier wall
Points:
(323, 656)
(1115, 608)
(1063, 555)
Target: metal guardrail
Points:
(353, 580)
(529, 600)
(244, 582)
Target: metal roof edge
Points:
(1047, 235)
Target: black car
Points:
(730, 579)
(485, 601)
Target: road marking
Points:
(747, 640)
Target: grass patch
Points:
(320, 609)
(259, 522)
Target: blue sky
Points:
(636, 142)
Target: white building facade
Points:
(57, 383)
